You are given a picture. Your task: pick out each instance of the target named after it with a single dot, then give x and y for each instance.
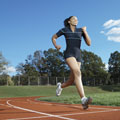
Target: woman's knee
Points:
(71, 79)
(77, 72)
(71, 82)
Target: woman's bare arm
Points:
(86, 36)
(54, 37)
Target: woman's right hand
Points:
(84, 28)
(58, 47)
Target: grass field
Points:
(103, 95)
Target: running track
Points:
(28, 108)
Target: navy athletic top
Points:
(73, 42)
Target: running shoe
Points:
(86, 102)
(59, 89)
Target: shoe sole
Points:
(85, 106)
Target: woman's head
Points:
(72, 20)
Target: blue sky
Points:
(28, 25)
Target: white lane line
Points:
(71, 106)
(28, 118)
(89, 112)
(65, 115)
(104, 109)
(33, 111)
(100, 108)
(4, 105)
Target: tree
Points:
(6, 80)
(38, 62)
(114, 67)
(26, 72)
(55, 62)
(93, 69)
(3, 62)
(20, 68)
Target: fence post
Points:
(18, 80)
(7, 81)
(28, 80)
(94, 81)
(64, 79)
(56, 80)
(48, 80)
(38, 81)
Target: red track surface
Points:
(28, 108)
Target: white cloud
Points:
(102, 32)
(9, 69)
(114, 38)
(112, 30)
(111, 23)
(108, 23)
(106, 66)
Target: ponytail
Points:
(66, 24)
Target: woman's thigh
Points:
(79, 65)
(71, 72)
(73, 64)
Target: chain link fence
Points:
(42, 80)
(32, 80)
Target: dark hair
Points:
(66, 24)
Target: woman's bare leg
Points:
(75, 76)
(69, 82)
(75, 68)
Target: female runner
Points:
(72, 53)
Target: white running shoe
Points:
(59, 89)
(86, 102)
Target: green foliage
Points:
(55, 62)
(3, 80)
(51, 63)
(9, 81)
(93, 69)
(6, 80)
(34, 65)
(3, 62)
(114, 67)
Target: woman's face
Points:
(73, 20)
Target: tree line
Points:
(4, 78)
(51, 63)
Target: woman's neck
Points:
(72, 27)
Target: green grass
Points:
(102, 95)
(24, 91)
